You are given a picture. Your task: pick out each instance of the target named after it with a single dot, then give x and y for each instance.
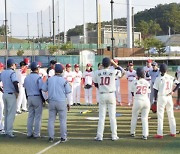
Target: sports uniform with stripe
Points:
(141, 104)
(69, 76)
(77, 87)
(164, 86)
(131, 76)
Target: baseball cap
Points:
(68, 65)
(76, 65)
(154, 64)
(59, 68)
(1, 65)
(10, 62)
(53, 62)
(149, 61)
(34, 65)
(88, 65)
(130, 64)
(22, 63)
(27, 61)
(115, 60)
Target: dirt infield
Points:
(124, 93)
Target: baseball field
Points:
(82, 126)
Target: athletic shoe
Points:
(24, 110)
(98, 139)
(173, 135)
(132, 135)
(158, 136)
(2, 132)
(18, 112)
(30, 136)
(10, 135)
(78, 104)
(51, 140)
(74, 104)
(144, 137)
(115, 138)
(63, 140)
(36, 137)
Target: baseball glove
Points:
(88, 86)
(154, 108)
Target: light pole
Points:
(6, 35)
(112, 28)
(53, 23)
(97, 20)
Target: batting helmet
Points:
(68, 65)
(140, 72)
(106, 62)
(59, 68)
(163, 68)
(154, 108)
(76, 65)
(34, 66)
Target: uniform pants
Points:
(118, 91)
(107, 100)
(9, 112)
(178, 98)
(152, 95)
(129, 92)
(71, 97)
(162, 103)
(76, 92)
(142, 106)
(34, 116)
(21, 100)
(88, 96)
(97, 95)
(60, 108)
(1, 111)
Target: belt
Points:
(106, 92)
(35, 95)
(10, 93)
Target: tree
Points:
(20, 52)
(52, 49)
(66, 46)
(2, 30)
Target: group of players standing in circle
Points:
(146, 86)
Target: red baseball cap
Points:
(68, 65)
(76, 65)
(115, 60)
(1, 65)
(149, 61)
(88, 65)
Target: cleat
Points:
(144, 137)
(78, 104)
(132, 135)
(29, 136)
(173, 135)
(24, 110)
(158, 136)
(18, 112)
(63, 140)
(10, 135)
(98, 139)
(50, 140)
(115, 138)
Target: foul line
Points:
(49, 147)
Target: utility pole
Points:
(50, 22)
(58, 25)
(10, 25)
(53, 23)
(38, 26)
(28, 26)
(112, 28)
(129, 24)
(6, 33)
(84, 23)
(42, 26)
(133, 27)
(65, 34)
(97, 22)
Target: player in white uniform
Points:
(163, 88)
(69, 76)
(131, 76)
(154, 73)
(147, 69)
(21, 100)
(140, 89)
(77, 85)
(50, 70)
(178, 97)
(1, 102)
(105, 80)
(97, 90)
(88, 82)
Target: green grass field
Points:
(81, 133)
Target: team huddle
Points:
(61, 88)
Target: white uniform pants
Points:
(9, 112)
(142, 106)
(59, 108)
(107, 100)
(1, 111)
(21, 100)
(34, 116)
(152, 95)
(76, 92)
(118, 91)
(129, 92)
(88, 96)
(162, 103)
(97, 95)
(71, 96)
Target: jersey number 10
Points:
(105, 80)
(141, 90)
